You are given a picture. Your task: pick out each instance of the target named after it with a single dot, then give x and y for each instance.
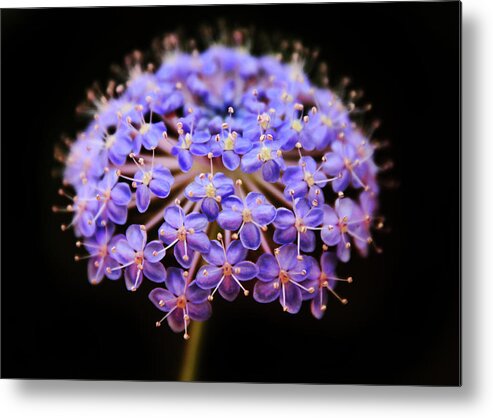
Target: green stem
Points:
(192, 351)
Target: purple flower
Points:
(342, 163)
(149, 134)
(113, 199)
(299, 226)
(181, 301)
(137, 258)
(341, 223)
(84, 207)
(190, 145)
(156, 180)
(280, 277)
(100, 263)
(249, 215)
(322, 278)
(210, 190)
(305, 181)
(186, 233)
(230, 146)
(267, 156)
(226, 269)
(115, 146)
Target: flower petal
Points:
(236, 252)
(121, 194)
(271, 171)
(333, 164)
(328, 262)
(331, 234)
(343, 253)
(245, 270)
(196, 221)
(231, 160)
(154, 251)
(136, 237)
(160, 188)
(265, 292)
(250, 236)
(264, 214)
(175, 282)
(116, 213)
(176, 320)
(167, 233)
(215, 255)
(229, 289)
(162, 299)
(123, 252)
(183, 254)
(209, 276)
(307, 241)
(285, 236)
(284, 218)
(143, 198)
(314, 217)
(210, 208)
(291, 298)
(199, 241)
(174, 216)
(230, 220)
(133, 277)
(195, 294)
(287, 256)
(200, 311)
(268, 268)
(154, 271)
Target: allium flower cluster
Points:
(220, 172)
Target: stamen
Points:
(245, 291)
(158, 323)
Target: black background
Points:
(402, 324)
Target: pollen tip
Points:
(323, 308)
(158, 324)
(210, 298)
(344, 301)
(186, 336)
(246, 292)
(349, 279)
(311, 290)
